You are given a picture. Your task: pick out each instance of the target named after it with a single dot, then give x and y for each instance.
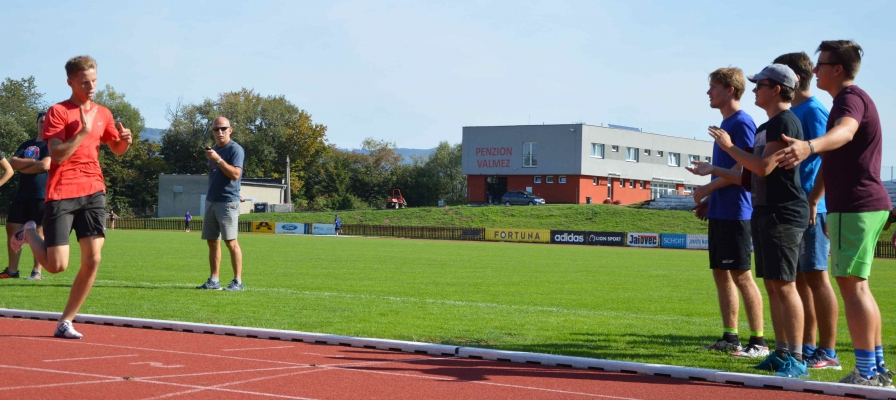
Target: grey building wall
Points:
(566, 150)
(180, 193)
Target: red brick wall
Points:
(574, 191)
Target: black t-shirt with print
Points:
(779, 192)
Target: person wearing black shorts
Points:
(32, 160)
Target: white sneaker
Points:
(65, 330)
(752, 351)
(17, 241)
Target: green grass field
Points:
(645, 305)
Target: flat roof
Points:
(594, 126)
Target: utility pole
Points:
(288, 183)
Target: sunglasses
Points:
(220, 128)
(768, 85)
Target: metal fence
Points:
(167, 224)
(416, 232)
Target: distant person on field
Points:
(728, 210)
(780, 212)
(819, 300)
(222, 205)
(187, 219)
(338, 223)
(857, 201)
(32, 160)
(76, 192)
(112, 217)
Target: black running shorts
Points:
(86, 215)
(729, 245)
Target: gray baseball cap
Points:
(778, 73)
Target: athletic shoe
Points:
(35, 276)
(792, 368)
(65, 330)
(819, 360)
(771, 363)
(855, 378)
(18, 239)
(234, 286)
(886, 379)
(9, 275)
(722, 345)
(210, 285)
(752, 351)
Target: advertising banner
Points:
(698, 242)
(569, 237)
(675, 241)
(323, 229)
(290, 228)
(518, 235)
(263, 227)
(643, 239)
(606, 238)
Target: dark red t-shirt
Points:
(79, 175)
(852, 172)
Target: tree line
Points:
(270, 128)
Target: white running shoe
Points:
(65, 330)
(18, 239)
(752, 351)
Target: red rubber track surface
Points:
(129, 363)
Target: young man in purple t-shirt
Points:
(819, 300)
(858, 203)
(729, 210)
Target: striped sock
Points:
(879, 357)
(865, 363)
(808, 350)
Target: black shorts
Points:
(729, 245)
(777, 248)
(186, 224)
(24, 210)
(86, 215)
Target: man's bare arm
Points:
(7, 171)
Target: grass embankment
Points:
(596, 217)
(642, 305)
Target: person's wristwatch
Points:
(811, 147)
(219, 160)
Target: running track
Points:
(132, 363)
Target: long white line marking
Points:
(61, 384)
(157, 364)
(261, 348)
(90, 358)
(224, 372)
(222, 387)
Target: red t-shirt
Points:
(79, 175)
(852, 173)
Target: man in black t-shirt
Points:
(32, 160)
(780, 212)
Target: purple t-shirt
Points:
(852, 173)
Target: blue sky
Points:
(415, 73)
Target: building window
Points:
(537, 179)
(643, 185)
(646, 152)
(661, 189)
(708, 159)
(621, 182)
(631, 154)
(529, 156)
(692, 157)
(674, 159)
(549, 179)
(659, 153)
(562, 179)
(631, 183)
(595, 181)
(614, 148)
(597, 150)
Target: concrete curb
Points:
(708, 375)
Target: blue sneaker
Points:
(234, 286)
(820, 360)
(792, 368)
(209, 285)
(770, 363)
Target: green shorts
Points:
(853, 239)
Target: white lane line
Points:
(60, 384)
(157, 364)
(222, 387)
(79, 343)
(90, 358)
(261, 348)
(58, 372)
(325, 355)
(223, 372)
(484, 383)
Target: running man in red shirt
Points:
(76, 193)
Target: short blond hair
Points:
(730, 77)
(78, 64)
